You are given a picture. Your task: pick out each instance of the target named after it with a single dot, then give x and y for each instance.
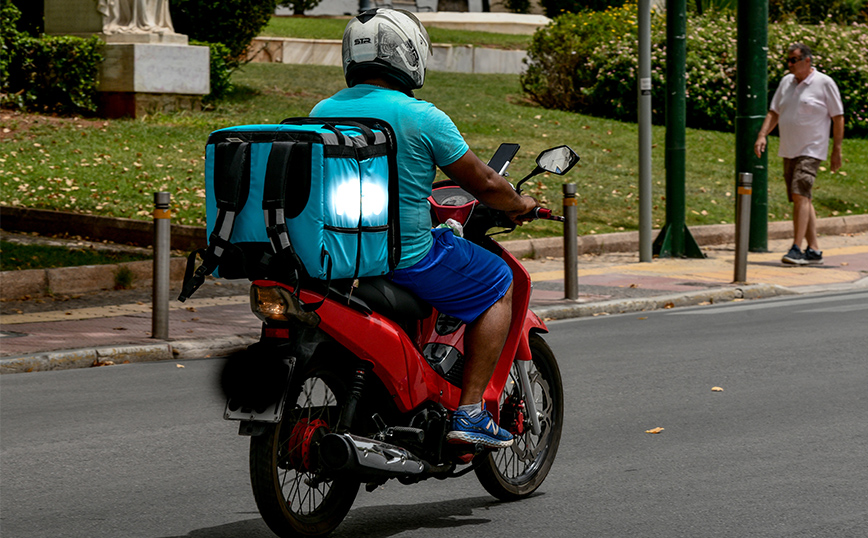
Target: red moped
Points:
(361, 389)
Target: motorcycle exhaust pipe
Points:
(367, 457)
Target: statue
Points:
(136, 17)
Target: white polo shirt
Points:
(805, 111)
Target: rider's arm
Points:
(488, 186)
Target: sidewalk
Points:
(77, 334)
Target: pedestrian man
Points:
(806, 103)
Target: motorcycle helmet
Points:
(389, 43)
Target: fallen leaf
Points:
(646, 317)
(634, 285)
(191, 309)
(179, 366)
(655, 430)
(669, 305)
(845, 264)
(716, 389)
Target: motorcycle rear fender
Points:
(380, 341)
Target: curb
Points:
(661, 302)
(82, 278)
(123, 354)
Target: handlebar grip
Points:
(542, 213)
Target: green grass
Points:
(333, 28)
(113, 167)
(15, 256)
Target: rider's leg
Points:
(483, 342)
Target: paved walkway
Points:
(76, 333)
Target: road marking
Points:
(116, 310)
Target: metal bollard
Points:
(571, 254)
(742, 225)
(162, 252)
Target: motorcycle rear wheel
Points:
(515, 472)
(292, 499)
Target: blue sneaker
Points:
(478, 430)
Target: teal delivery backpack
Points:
(310, 198)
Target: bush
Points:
(816, 11)
(9, 38)
(221, 66)
(556, 75)
(56, 74)
(564, 74)
(553, 8)
(517, 6)
(234, 23)
(300, 6)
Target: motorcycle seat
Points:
(390, 300)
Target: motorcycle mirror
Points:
(557, 160)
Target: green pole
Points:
(752, 99)
(675, 240)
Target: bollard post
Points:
(571, 254)
(162, 252)
(742, 225)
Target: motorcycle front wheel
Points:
(517, 471)
(292, 498)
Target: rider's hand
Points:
(528, 203)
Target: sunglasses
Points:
(792, 61)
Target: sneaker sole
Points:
(814, 262)
(791, 261)
(465, 438)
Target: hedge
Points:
(588, 63)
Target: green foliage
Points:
(556, 75)
(9, 38)
(56, 74)
(588, 63)
(816, 11)
(221, 67)
(553, 8)
(300, 6)
(233, 23)
(517, 6)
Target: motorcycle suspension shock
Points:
(354, 395)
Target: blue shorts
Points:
(456, 277)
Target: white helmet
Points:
(386, 42)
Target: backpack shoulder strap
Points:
(231, 187)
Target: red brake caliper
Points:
(513, 414)
(301, 441)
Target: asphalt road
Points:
(142, 451)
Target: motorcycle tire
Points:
(292, 499)
(515, 472)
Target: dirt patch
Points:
(17, 124)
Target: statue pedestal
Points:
(140, 78)
(145, 71)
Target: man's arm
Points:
(837, 141)
(488, 186)
(769, 124)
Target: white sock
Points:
(472, 410)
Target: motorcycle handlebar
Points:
(541, 213)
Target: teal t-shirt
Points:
(426, 137)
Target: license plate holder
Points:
(271, 414)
